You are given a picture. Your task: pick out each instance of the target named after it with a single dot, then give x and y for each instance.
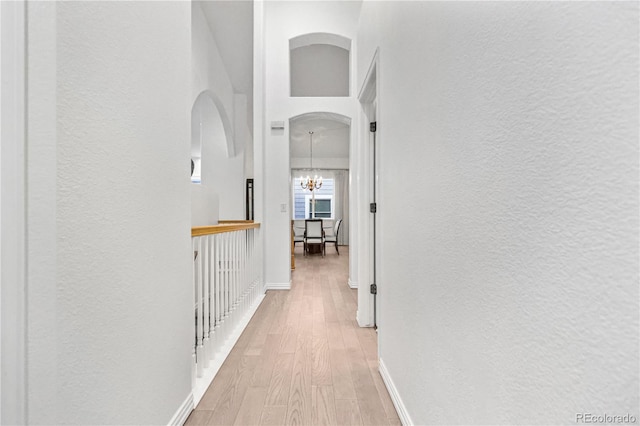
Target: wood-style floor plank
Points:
(334, 336)
(387, 404)
(250, 411)
(371, 408)
(280, 384)
(321, 372)
(268, 357)
(279, 318)
(323, 406)
(302, 360)
(341, 375)
(228, 405)
(273, 416)
(198, 418)
(299, 404)
(348, 412)
(369, 342)
(288, 344)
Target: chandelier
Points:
(314, 182)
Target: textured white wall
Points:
(283, 21)
(110, 321)
(508, 208)
(42, 340)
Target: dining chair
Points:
(333, 236)
(313, 235)
(298, 232)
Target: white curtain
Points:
(341, 199)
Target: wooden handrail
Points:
(222, 228)
(235, 221)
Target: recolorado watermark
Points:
(589, 418)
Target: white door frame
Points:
(12, 213)
(367, 97)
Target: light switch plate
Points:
(283, 208)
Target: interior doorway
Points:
(373, 207)
(368, 207)
(319, 152)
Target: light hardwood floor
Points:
(302, 360)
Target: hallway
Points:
(302, 359)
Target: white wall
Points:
(41, 219)
(509, 282)
(283, 21)
(205, 206)
(13, 227)
(110, 301)
(320, 163)
(223, 149)
(319, 70)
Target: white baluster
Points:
(195, 283)
(254, 269)
(232, 299)
(225, 283)
(206, 257)
(216, 293)
(212, 310)
(199, 316)
(221, 334)
(247, 270)
(243, 271)
(250, 263)
(236, 270)
(242, 243)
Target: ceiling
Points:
(231, 24)
(330, 137)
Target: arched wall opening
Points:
(221, 170)
(210, 122)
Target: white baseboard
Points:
(183, 412)
(361, 321)
(393, 393)
(352, 284)
(202, 383)
(278, 286)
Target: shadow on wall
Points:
(218, 170)
(206, 128)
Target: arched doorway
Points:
(330, 142)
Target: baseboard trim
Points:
(183, 412)
(405, 419)
(352, 284)
(278, 286)
(202, 383)
(361, 322)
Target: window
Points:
(324, 207)
(302, 201)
